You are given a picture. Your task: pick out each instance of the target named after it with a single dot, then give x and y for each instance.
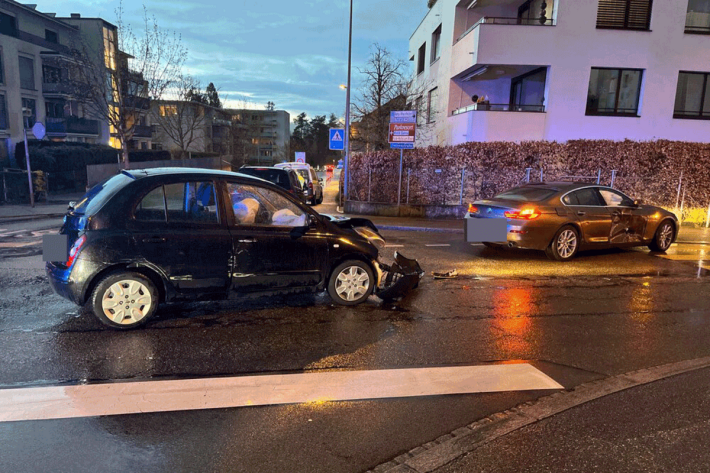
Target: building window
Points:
(168, 110)
(27, 73)
(2, 69)
(109, 48)
(29, 112)
(535, 12)
(624, 14)
(436, 44)
(697, 20)
(692, 98)
(420, 59)
(614, 92)
(431, 111)
(527, 92)
(54, 109)
(51, 36)
(51, 75)
(156, 146)
(418, 108)
(3, 113)
(8, 25)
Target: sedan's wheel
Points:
(124, 300)
(565, 244)
(490, 244)
(663, 238)
(351, 283)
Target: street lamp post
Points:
(346, 144)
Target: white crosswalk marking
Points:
(438, 244)
(59, 402)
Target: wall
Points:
(98, 172)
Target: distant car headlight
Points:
(371, 236)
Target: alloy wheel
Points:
(126, 302)
(566, 244)
(352, 283)
(665, 236)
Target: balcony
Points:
(56, 89)
(142, 131)
(491, 125)
(72, 126)
(492, 41)
(499, 107)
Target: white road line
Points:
(477, 244)
(394, 246)
(439, 244)
(61, 402)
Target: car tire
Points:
(565, 245)
(320, 200)
(138, 294)
(343, 286)
(663, 238)
(492, 245)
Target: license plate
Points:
(477, 230)
(55, 248)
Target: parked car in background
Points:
(562, 217)
(147, 236)
(287, 179)
(314, 188)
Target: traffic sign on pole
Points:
(337, 139)
(301, 157)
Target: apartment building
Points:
(33, 48)
(558, 70)
(270, 132)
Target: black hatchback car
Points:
(147, 236)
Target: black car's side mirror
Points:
(312, 221)
(638, 202)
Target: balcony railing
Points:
(142, 131)
(56, 88)
(499, 107)
(72, 125)
(501, 20)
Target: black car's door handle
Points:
(616, 213)
(581, 212)
(155, 240)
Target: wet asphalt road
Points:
(605, 313)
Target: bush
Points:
(140, 156)
(50, 156)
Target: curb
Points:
(448, 447)
(20, 218)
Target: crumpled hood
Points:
(362, 226)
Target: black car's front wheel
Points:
(663, 238)
(564, 245)
(124, 300)
(351, 283)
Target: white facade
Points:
(487, 44)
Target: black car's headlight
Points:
(371, 236)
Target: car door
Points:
(274, 247)
(592, 214)
(178, 228)
(627, 223)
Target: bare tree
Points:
(183, 119)
(118, 78)
(384, 89)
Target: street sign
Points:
(402, 145)
(405, 116)
(38, 130)
(301, 157)
(337, 139)
(402, 133)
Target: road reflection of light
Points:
(512, 308)
(130, 354)
(641, 303)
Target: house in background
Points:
(516, 70)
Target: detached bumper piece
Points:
(399, 278)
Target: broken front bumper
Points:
(397, 279)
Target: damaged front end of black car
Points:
(394, 280)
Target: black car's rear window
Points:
(277, 176)
(95, 198)
(526, 194)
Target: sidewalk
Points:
(55, 206)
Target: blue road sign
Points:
(337, 139)
(404, 116)
(402, 145)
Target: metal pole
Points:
(707, 219)
(4, 186)
(599, 176)
(399, 188)
(613, 178)
(680, 183)
(682, 204)
(346, 144)
(463, 174)
(29, 171)
(527, 174)
(541, 175)
(369, 186)
(409, 172)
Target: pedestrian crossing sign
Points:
(337, 139)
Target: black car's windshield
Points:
(526, 194)
(97, 195)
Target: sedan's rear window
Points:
(277, 176)
(526, 194)
(96, 196)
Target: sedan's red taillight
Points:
(524, 214)
(472, 209)
(310, 185)
(74, 251)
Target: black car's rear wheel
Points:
(124, 300)
(351, 283)
(663, 238)
(564, 245)
(492, 245)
